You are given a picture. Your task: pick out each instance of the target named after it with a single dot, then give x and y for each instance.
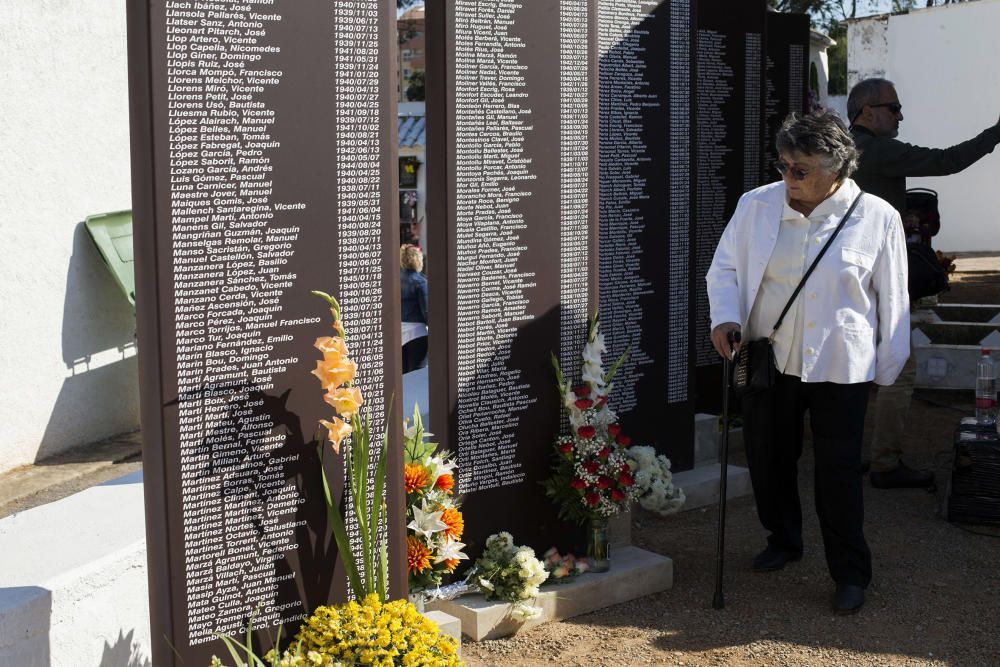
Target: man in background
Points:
(875, 112)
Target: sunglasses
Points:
(795, 172)
(893, 107)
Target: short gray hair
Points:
(823, 134)
(865, 92)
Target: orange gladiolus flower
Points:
(415, 477)
(337, 324)
(334, 372)
(346, 400)
(418, 556)
(456, 524)
(338, 430)
(327, 344)
(445, 482)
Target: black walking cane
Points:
(718, 600)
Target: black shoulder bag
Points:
(755, 367)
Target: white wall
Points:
(867, 49)
(943, 61)
(67, 367)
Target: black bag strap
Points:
(805, 276)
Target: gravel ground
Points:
(933, 600)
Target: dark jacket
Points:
(414, 291)
(885, 163)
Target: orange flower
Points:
(338, 430)
(450, 564)
(327, 344)
(418, 556)
(445, 482)
(335, 370)
(415, 477)
(345, 401)
(456, 524)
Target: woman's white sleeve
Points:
(889, 282)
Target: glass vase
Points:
(418, 600)
(598, 547)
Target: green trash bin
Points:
(112, 234)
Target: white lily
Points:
(441, 466)
(426, 523)
(451, 550)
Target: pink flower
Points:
(617, 495)
(592, 467)
(587, 431)
(578, 483)
(604, 453)
(604, 482)
(624, 440)
(625, 479)
(566, 447)
(592, 498)
(582, 391)
(614, 430)
(583, 403)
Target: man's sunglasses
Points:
(795, 172)
(893, 107)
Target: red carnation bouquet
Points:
(591, 477)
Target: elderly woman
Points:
(413, 292)
(845, 327)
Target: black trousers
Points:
(415, 354)
(773, 423)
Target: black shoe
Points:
(901, 477)
(848, 599)
(774, 558)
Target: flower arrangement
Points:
(370, 632)
(654, 481)
(435, 523)
(336, 373)
(591, 476)
(563, 569)
(509, 573)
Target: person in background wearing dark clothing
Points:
(413, 287)
(875, 113)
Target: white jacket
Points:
(856, 296)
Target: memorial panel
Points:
(511, 124)
(646, 200)
(730, 144)
(787, 77)
(263, 168)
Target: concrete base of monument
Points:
(73, 587)
(701, 484)
(448, 624)
(634, 573)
